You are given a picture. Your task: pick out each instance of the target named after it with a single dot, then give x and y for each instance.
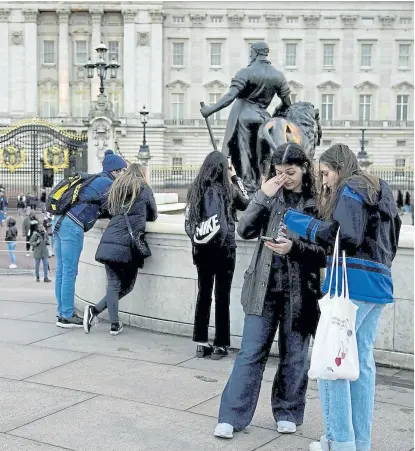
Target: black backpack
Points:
(9, 235)
(66, 193)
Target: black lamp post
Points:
(144, 152)
(102, 67)
(363, 156)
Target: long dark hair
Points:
(214, 170)
(341, 159)
(293, 155)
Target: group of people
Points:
(295, 220)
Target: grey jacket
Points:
(39, 242)
(263, 217)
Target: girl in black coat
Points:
(129, 195)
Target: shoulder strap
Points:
(130, 231)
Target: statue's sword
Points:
(212, 138)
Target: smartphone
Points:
(268, 238)
(229, 163)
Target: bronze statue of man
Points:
(252, 89)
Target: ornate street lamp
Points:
(102, 67)
(144, 152)
(363, 156)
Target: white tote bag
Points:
(335, 354)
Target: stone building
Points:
(353, 60)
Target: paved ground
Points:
(139, 391)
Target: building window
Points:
(402, 108)
(177, 106)
(178, 54)
(49, 102)
(291, 55)
(401, 143)
(364, 107)
(115, 96)
(400, 164)
(177, 142)
(326, 142)
(404, 55)
(293, 98)
(292, 19)
(113, 51)
(81, 102)
(329, 20)
(368, 20)
(214, 98)
(328, 55)
(216, 19)
(177, 164)
(366, 56)
(48, 52)
(81, 52)
(327, 101)
(178, 19)
(406, 21)
(254, 19)
(215, 54)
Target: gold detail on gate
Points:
(11, 158)
(56, 157)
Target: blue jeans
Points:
(69, 241)
(240, 397)
(348, 406)
(11, 245)
(45, 266)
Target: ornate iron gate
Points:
(35, 154)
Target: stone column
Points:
(63, 64)
(96, 18)
(31, 60)
(129, 62)
(156, 46)
(4, 62)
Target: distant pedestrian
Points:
(21, 205)
(399, 201)
(47, 224)
(407, 206)
(11, 235)
(28, 203)
(39, 242)
(34, 200)
(28, 228)
(43, 201)
(3, 208)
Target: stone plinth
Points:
(164, 296)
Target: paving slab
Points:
(16, 310)
(46, 316)
(286, 443)
(131, 426)
(179, 388)
(11, 443)
(25, 289)
(25, 402)
(395, 395)
(131, 344)
(26, 332)
(25, 361)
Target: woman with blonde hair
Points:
(130, 204)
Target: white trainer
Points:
(12, 266)
(224, 430)
(315, 446)
(286, 427)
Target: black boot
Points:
(203, 351)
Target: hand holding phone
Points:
(268, 238)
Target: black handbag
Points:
(139, 243)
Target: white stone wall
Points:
(146, 33)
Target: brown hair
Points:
(126, 188)
(341, 159)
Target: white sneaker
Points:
(27, 255)
(224, 430)
(12, 266)
(315, 446)
(286, 427)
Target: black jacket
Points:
(116, 244)
(217, 229)
(369, 234)
(303, 262)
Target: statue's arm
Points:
(223, 102)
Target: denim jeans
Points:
(11, 245)
(348, 406)
(45, 266)
(69, 241)
(240, 397)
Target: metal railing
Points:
(177, 179)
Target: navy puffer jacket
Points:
(116, 243)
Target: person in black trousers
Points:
(212, 201)
(130, 200)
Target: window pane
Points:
(177, 106)
(113, 50)
(366, 60)
(328, 55)
(215, 54)
(327, 106)
(48, 52)
(364, 107)
(81, 51)
(293, 98)
(404, 55)
(214, 98)
(178, 56)
(290, 54)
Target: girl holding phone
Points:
(281, 288)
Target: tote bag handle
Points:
(335, 263)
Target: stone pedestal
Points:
(101, 125)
